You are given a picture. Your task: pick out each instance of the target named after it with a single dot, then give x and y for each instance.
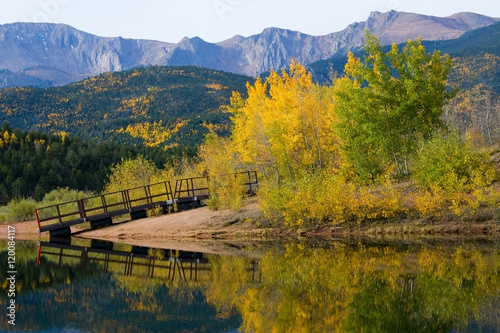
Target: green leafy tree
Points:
(389, 102)
(61, 195)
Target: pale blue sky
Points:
(217, 20)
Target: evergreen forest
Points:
(34, 163)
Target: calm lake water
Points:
(91, 286)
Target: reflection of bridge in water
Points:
(100, 256)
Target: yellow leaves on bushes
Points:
(435, 201)
(454, 176)
(326, 154)
(429, 202)
(321, 198)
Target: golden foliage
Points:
(139, 106)
(324, 198)
(131, 173)
(220, 163)
(215, 86)
(283, 128)
(287, 130)
(367, 289)
(154, 134)
(429, 202)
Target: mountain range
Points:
(45, 54)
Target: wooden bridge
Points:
(131, 203)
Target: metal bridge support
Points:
(140, 214)
(60, 232)
(101, 223)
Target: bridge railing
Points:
(57, 216)
(148, 196)
(104, 205)
(250, 181)
(191, 189)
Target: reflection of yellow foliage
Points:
(368, 289)
(229, 276)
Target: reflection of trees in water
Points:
(84, 297)
(370, 290)
(296, 288)
(143, 272)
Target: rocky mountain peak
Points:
(59, 48)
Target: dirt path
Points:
(195, 223)
(197, 230)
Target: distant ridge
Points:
(44, 54)
(167, 106)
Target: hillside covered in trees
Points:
(474, 49)
(34, 163)
(154, 106)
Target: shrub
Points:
(155, 211)
(454, 176)
(429, 201)
(21, 210)
(324, 197)
(61, 195)
(449, 163)
(3, 214)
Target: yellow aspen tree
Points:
(284, 126)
